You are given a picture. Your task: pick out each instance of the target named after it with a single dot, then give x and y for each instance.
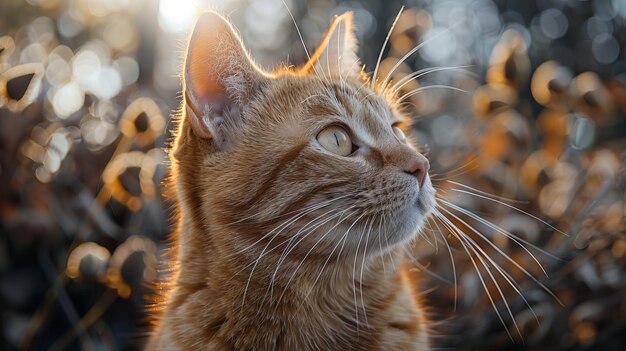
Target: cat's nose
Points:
(418, 166)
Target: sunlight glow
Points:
(177, 15)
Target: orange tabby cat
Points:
(298, 195)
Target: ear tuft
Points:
(337, 54)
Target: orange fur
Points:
(254, 270)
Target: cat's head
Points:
(311, 153)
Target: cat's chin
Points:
(413, 217)
(426, 200)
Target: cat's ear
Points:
(219, 78)
(337, 54)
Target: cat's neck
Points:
(245, 299)
(273, 275)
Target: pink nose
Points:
(418, 166)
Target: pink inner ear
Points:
(203, 64)
(219, 78)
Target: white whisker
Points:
(310, 250)
(522, 269)
(469, 188)
(512, 207)
(423, 268)
(422, 72)
(369, 231)
(297, 215)
(428, 87)
(300, 36)
(356, 255)
(507, 234)
(393, 264)
(341, 242)
(310, 97)
(408, 54)
(356, 310)
(456, 289)
(304, 235)
(506, 275)
(265, 249)
(382, 49)
(459, 234)
(380, 246)
(434, 246)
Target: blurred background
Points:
(536, 117)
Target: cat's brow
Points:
(357, 101)
(341, 96)
(324, 109)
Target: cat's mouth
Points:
(425, 201)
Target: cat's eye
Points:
(336, 140)
(399, 134)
